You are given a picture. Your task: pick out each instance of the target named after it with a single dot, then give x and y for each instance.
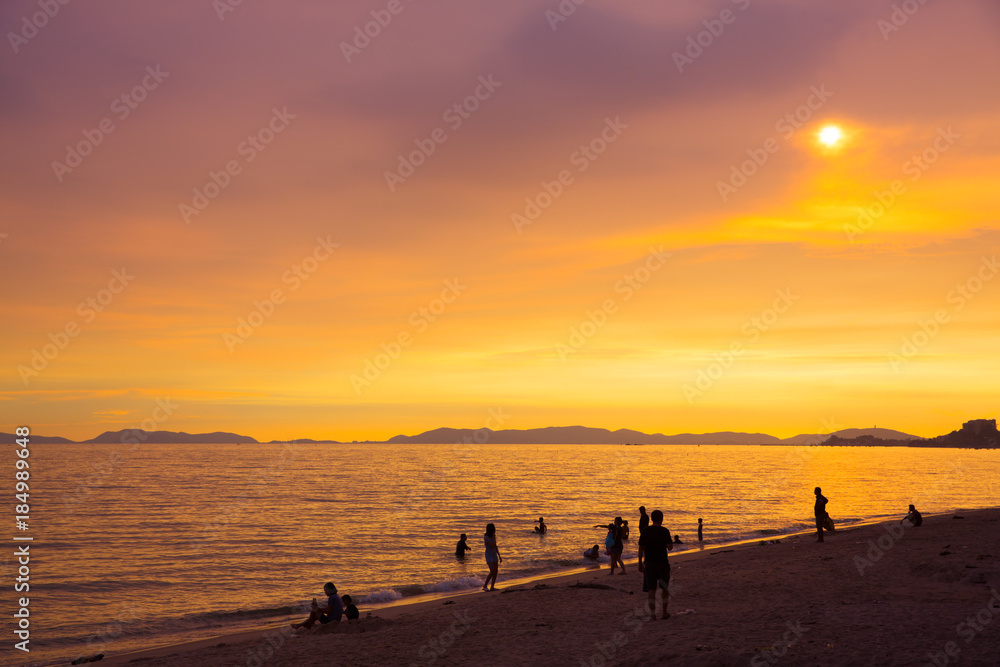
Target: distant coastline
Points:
(977, 434)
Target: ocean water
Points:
(141, 546)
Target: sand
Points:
(872, 595)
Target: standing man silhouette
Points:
(820, 511)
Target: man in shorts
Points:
(654, 543)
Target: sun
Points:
(830, 135)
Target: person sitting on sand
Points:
(493, 557)
(331, 614)
(541, 527)
(677, 539)
(913, 517)
(654, 543)
(350, 611)
(593, 553)
(462, 546)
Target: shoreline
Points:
(401, 611)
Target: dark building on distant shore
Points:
(980, 426)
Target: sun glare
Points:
(830, 135)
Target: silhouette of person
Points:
(625, 529)
(913, 517)
(462, 546)
(331, 614)
(643, 519)
(617, 546)
(592, 553)
(493, 557)
(820, 510)
(541, 527)
(654, 543)
(677, 539)
(351, 612)
(700, 538)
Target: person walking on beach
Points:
(820, 511)
(654, 543)
(493, 558)
(643, 519)
(462, 546)
(617, 546)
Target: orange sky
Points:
(638, 294)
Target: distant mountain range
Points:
(556, 435)
(977, 433)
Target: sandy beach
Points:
(881, 594)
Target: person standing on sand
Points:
(617, 546)
(493, 558)
(654, 543)
(820, 511)
(643, 519)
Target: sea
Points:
(140, 546)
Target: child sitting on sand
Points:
(350, 611)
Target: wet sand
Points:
(880, 594)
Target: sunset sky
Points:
(286, 228)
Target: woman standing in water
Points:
(493, 558)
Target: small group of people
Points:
(335, 610)
(825, 524)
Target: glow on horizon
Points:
(878, 212)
